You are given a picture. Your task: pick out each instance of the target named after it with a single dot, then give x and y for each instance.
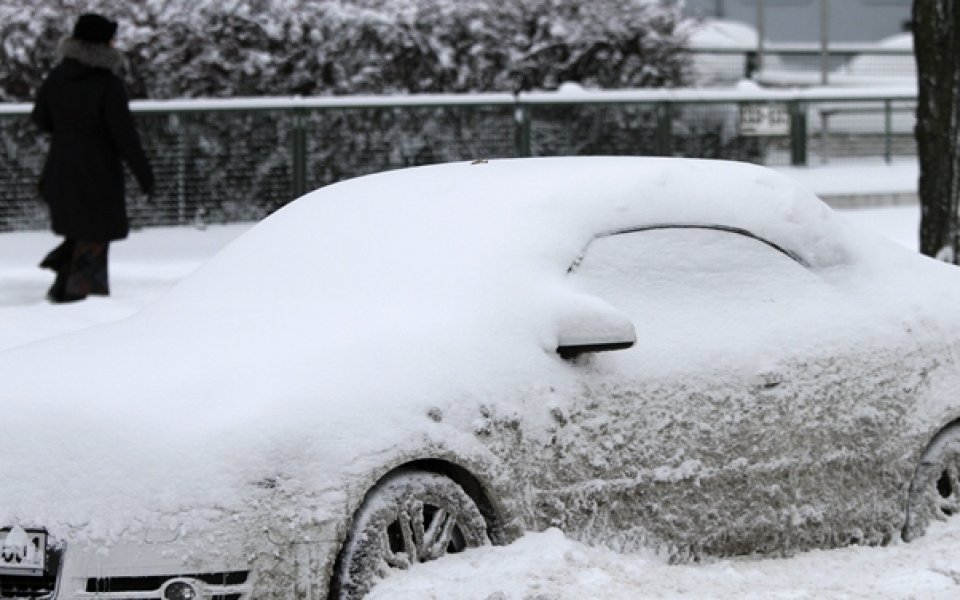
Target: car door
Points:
(709, 435)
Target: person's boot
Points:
(57, 294)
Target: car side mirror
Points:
(594, 326)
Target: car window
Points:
(697, 289)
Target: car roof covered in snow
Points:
(478, 217)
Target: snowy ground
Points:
(542, 566)
(548, 566)
(842, 177)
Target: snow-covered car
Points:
(693, 356)
(874, 70)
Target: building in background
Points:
(799, 20)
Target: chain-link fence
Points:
(236, 160)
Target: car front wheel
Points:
(407, 518)
(935, 490)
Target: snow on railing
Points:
(570, 94)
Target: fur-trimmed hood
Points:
(91, 55)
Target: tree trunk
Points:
(936, 42)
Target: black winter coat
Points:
(83, 104)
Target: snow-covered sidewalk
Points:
(857, 177)
(142, 267)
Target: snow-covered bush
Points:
(188, 48)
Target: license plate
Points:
(23, 552)
(764, 119)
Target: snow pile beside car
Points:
(550, 566)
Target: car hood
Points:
(164, 412)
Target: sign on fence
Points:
(769, 118)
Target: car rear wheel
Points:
(935, 490)
(408, 518)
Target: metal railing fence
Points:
(240, 159)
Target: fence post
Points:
(299, 166)
(825, 135)
(664, 129)
(798, 133)
(887, 132)
(750, 64)
(521, 129)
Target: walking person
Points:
(82, 103)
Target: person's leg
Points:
(88, 270)
(59, 260)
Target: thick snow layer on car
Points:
(325, 343)
(881, 69)
(544, 564)
(722, 34)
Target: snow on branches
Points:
(219, 48)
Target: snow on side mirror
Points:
(594, 326)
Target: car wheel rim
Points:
(935, 490)
(421, 532)
(947, 485)
(408, 518)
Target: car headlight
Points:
(180, 589)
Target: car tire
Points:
(407, 518)
(935, 490)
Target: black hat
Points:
(94, 28)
